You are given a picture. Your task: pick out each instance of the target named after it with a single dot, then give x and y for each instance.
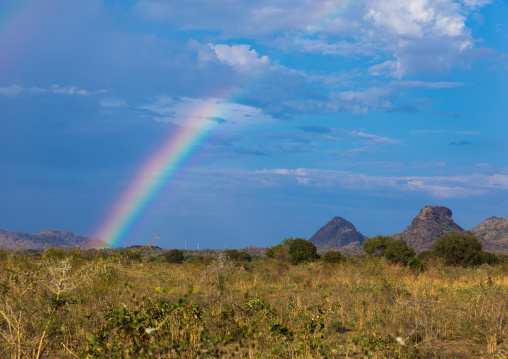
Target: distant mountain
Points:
(50, 237)
(337, 233)
(493, 232)
(431, 223)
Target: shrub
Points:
(333, 257)
(424, 255)
(394, 250)
(280, 252)
(302, 250)
(133, 255)
(462, 249)
(238, 256)
(417, 264)
(174, 256)
(397, 251)
(376, 246)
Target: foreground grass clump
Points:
(73, 305)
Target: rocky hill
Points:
(431, 223)
(50, 237)
(337, 233)
(493, 232)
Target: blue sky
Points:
(366, 109)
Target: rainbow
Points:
(156, 171)
(179, 146)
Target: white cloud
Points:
(439, 187)
(475, 4)
(361, 101)
(370, 139)
(15, 90)
(339, 48)
(37, 90)
(422, 35)
(185, 110)
(405, 37)
(240, 57)
(68, 90)
(12, 90)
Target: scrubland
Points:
(70, 305)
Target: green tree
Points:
(302, 250)
(333, 257)
(460, 249)
(397, 251)
(376, 246)
(174, 256)
(238, 256)
(394, 250)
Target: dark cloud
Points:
(449, 114)
(406, 108)
(461, 143)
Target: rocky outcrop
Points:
(337, 233)
(431, 223)
(493, 233)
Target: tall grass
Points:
(66, 306)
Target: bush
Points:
(333, 257)
(302, 250)
(237, 256)
(459, 249)
(397, 251)
(280, 251)
(417, 264)
(174, 256)
(133, 255)
(394, 250)
(376, 246)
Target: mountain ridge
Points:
(493, 233)
(337, 233)
(431, 223)
(48, 237)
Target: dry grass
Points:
(262, 309)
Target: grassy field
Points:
(65, 305)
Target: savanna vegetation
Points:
(289, 303)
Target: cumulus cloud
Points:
(240, 57)
(413, 36)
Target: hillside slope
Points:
(493, 232)
(337, 233)
(50, 237)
